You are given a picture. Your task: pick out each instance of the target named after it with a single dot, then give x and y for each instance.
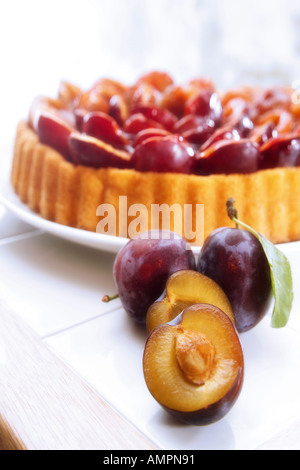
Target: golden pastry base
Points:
(268, 200)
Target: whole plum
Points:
(235, 259)
(144, 264)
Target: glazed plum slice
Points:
(194, 365)
(228, 157)
(68, 93)
(79, 115)
(162, 116)
(158, 80)
(51, 107)
(174, 99)
(240, 130)
(184, 288)
(273, 98)
(207, 104)
(118, 109)
(148, 133)
(283, 151)
(222, 134)
(89, 151)
(262, 134)
(244, 126)
(54, 131)
(104, 127)
(164, 154)
(138, 122)
(195, 129)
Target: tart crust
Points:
(59, 191)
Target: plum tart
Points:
(163, 143)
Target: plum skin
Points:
(234, 259)
(142, 267)
(214, 412)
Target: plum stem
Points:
(233, 215)
(107, 298)
(232, 212)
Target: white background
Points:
(230, 41)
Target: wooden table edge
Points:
(44, 405)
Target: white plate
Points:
(99, 241)
(92, 239)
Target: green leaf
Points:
(281, 276)
(282, 282)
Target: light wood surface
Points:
(45, 406)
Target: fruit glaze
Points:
(159, 126)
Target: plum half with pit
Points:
(144, 264)
(235, 260)
(194, 365)
(184, 288)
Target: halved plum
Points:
(184, 288)
(89, 151)
(194, 365)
